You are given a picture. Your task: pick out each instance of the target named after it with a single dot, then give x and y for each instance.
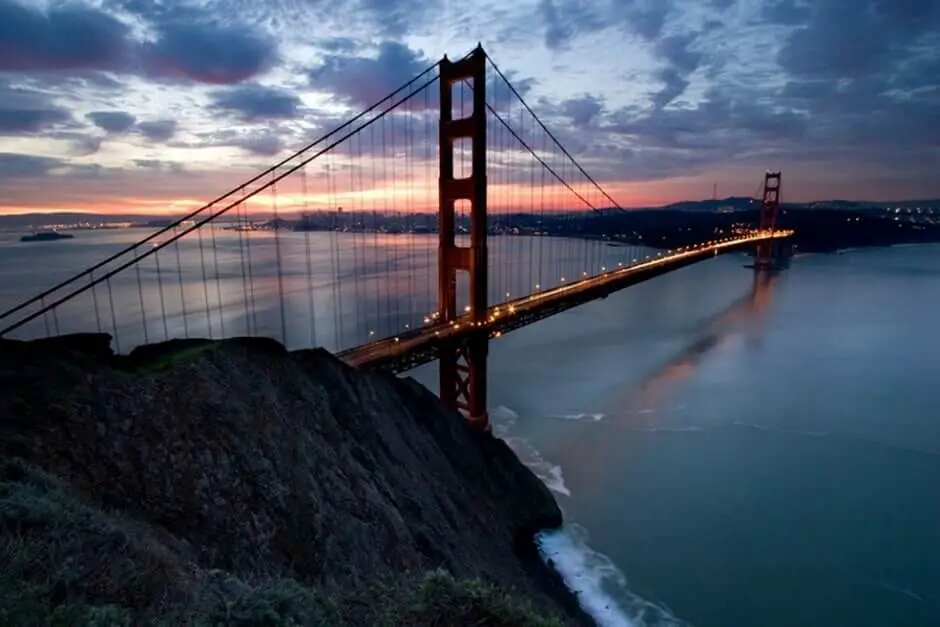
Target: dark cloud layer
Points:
(257, 102)
(206, 53)
(859, 78)
(718, 83)
(157, 130)
(362, 81)
(75, 37)
(112, 121)
(15, 165)
(26, 111)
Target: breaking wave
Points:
(600, 586)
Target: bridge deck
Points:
(421, 346)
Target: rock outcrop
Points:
(240, 458)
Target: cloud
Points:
(360, 81)
(257, 102)
(208, 53)
(157, 130)
(395, 18)
(112, 121)
(69, 37)
(264, 141)
(85, 146)
(566, 19)
(639, 90)
(853, 39)
(26, 111)
(19, 121)
(14, 165)
(159, 164)
(582, 111)
(266, 144)
(189, 46)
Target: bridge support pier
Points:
(463, 365)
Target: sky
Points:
(152, 107)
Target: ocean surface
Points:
(727, 452)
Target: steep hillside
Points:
(233, 482)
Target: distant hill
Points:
(733, 203)
(720, 205)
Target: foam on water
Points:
(689, 429)
(600, 586)
(758, 427)
(591, 417)
(503, 419)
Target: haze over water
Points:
(742, 457)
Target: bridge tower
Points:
(463, 363)
(769, 208)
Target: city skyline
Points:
(131, 107)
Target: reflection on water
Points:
(749, 453)
(336, 290)
(747, 313)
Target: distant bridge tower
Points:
(769, 209)
(463, 364)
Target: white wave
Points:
(658, 410)
(899, 590)
(549, 473)
(751, 425)
(689, 429)
(502, 418)
(600, 586)
(591, 417)
(910, 245)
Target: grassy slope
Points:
(65, 562)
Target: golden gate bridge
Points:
(430, 225)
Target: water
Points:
(739, 456)
(336, 290)
(725, 453)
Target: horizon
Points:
(300, 211)
(119, 108)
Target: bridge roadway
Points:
(420, 346)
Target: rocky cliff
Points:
(233, 482)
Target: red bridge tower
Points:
(769, 208)
(463, 363)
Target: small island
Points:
(46, 236)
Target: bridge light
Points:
(537, 286)
(407, 326)
(562, 279)
(396, 340)
(467, 308)
(603, 268)
(371, 333)
(507, 294)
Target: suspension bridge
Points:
(440, 217)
